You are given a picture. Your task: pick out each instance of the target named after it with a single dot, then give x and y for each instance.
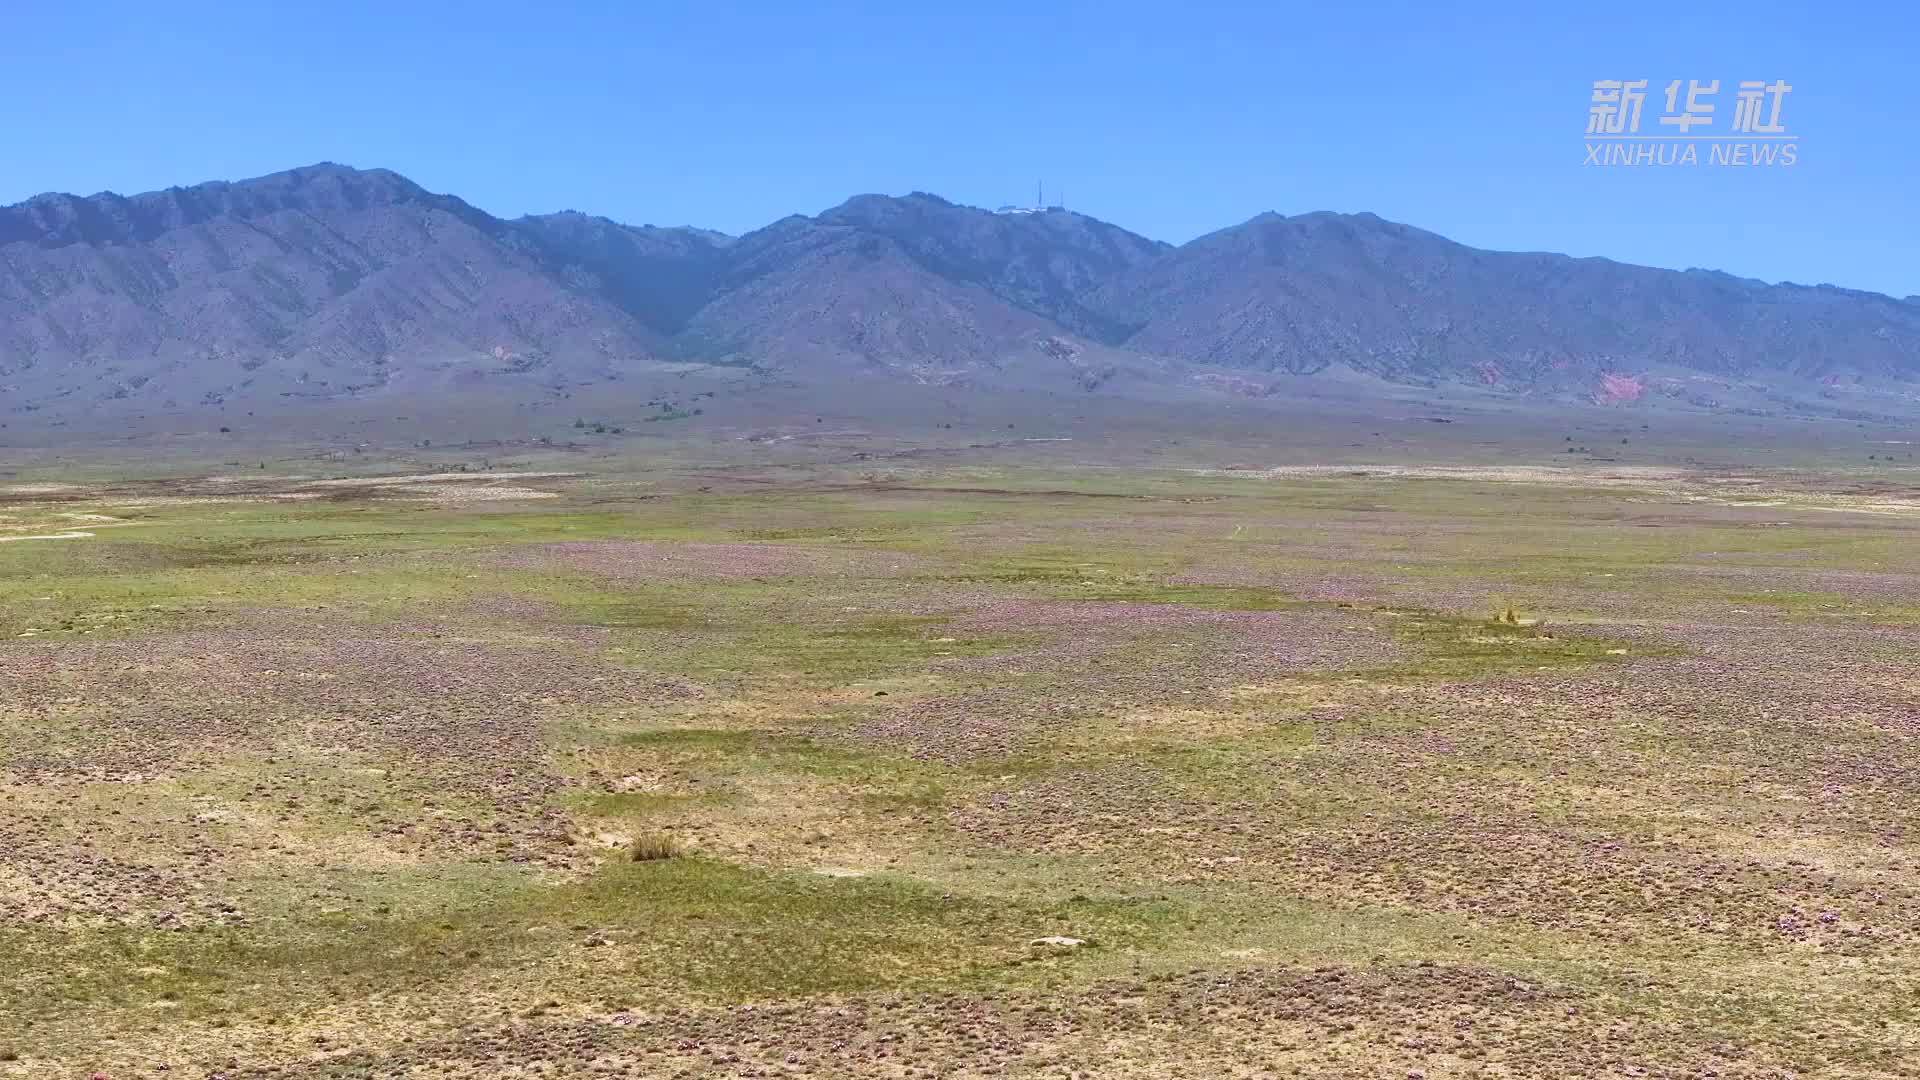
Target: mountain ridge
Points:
(328, 281)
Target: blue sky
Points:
(1170, 119)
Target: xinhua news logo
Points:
(1689, 130)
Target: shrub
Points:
(653, 847)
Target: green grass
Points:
(773, 743)
(889, 779)
(645, 805)
(1452, 646)
(689, 925)
(748, 630)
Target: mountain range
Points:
(327, 283)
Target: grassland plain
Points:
(969, 770)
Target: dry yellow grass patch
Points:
(652, 847)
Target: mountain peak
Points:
(871, 209)
(323, 181)
(108, 219)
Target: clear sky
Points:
(1172, 119)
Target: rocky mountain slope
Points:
(314, 283)
(1307, 293)
(329, 282)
